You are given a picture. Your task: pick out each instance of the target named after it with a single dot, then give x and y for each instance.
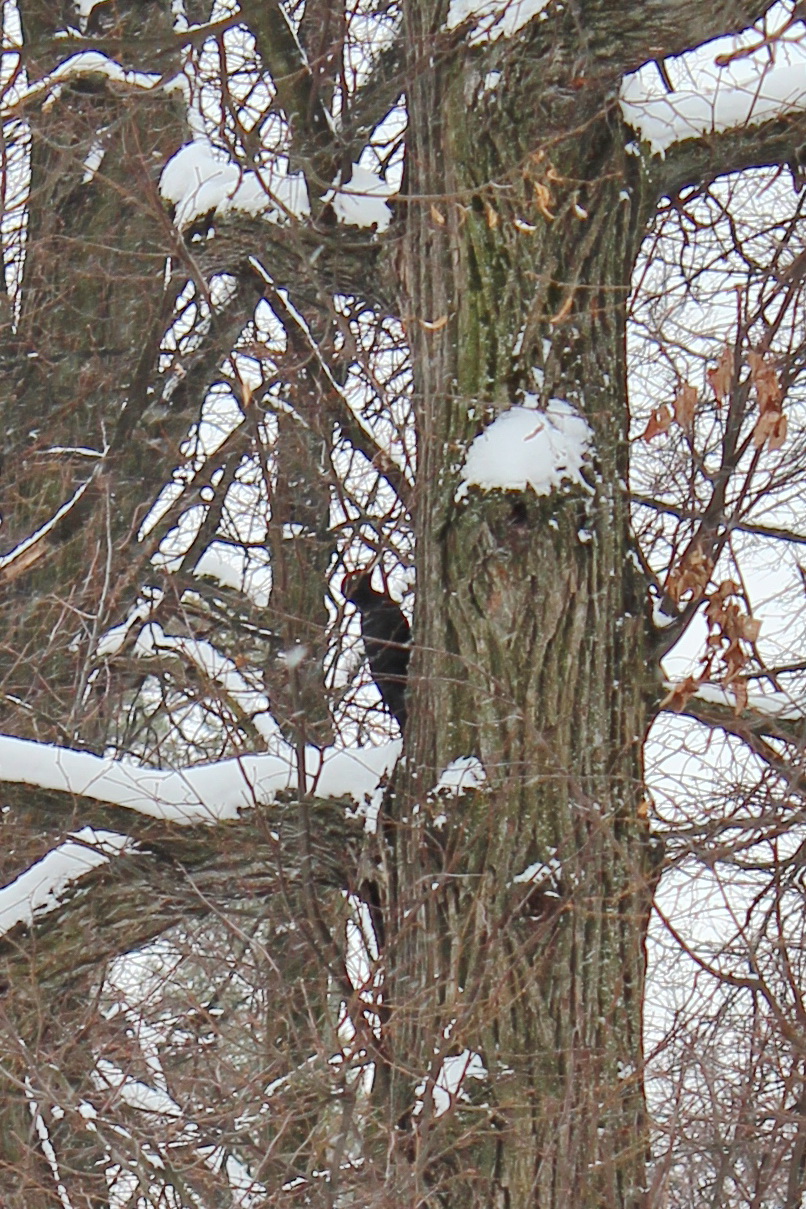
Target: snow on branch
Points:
(489, 20)
(202, 794)
(199, 179)
(32, 548)
(40, 888)
(83, 63)
(728, 83)
(362, 201)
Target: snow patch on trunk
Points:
(524, 447)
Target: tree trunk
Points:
(517, 268)
(94, 309)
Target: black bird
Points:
(387, 638)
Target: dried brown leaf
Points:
(659, 422)
(720, 376)
(735, 659)
(750, 628)
(739, 690)
(766, 428)
(685, 406)
(564, 311)
(545, 200)
(715, 611)
(691, 574)
(680, 694)
(778, 434)
(434, 325)
(765, 379)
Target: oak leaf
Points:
(750, 628)
(739, 690)
(770, 427)
(690, 575)
(778, 434)
(735, 660)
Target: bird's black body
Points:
(387, 637)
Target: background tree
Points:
(299, 290)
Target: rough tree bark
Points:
(533, 649)
(532, 646)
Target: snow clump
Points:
(524, 447)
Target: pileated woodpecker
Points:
(387, 638)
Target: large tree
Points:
(293, 290)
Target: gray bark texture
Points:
(531, 646)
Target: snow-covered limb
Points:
(461, 775)
(204, 793)
(489, 20)
(41, 887)
(771, 532)
(83, 63)
(199, 180)
(767, 707)
(723, 85)
(31, 549)
(362, 201)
